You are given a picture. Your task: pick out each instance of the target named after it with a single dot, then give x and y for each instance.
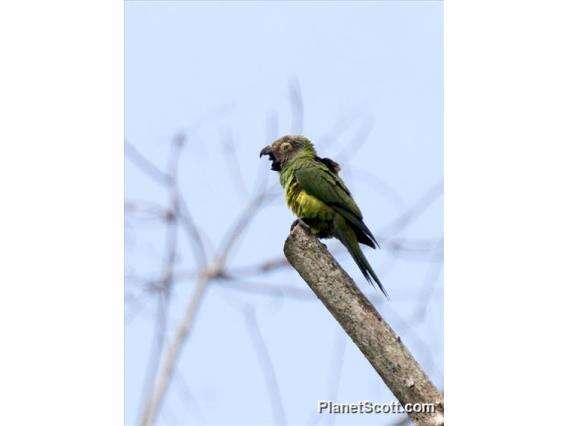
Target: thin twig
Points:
(163, 301)
(183, 330)
(357, 141)
(265, 362)
(233, 164)
(297, 106)
(427, 290)
(381, 187)
(335, 372)
(412, 213)
(193, 234)
(146, 166)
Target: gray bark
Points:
(364, 325)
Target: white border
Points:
(506, 212)
(61, 305)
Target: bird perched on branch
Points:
(319, 198)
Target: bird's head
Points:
(286, 148)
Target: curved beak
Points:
(267, 150)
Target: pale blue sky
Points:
(226, 66)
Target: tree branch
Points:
(374, 337)
(162, 383)
(273, 389)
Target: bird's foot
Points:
(301, 223)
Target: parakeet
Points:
(320, 199)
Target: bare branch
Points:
(265, 289)
(265, 361)
(432, 275)
(184, 328)
(357, 141)
(170, 361)
(146, 165)
(368, 330)
(271, 126)
(418, 208)
(190, 399)
(297, 107)
(338, 358)
(378, 185)
(429, 250)
(146, 210)
(233, 164)
(241, 224)
(167, 279)
(193, 234)
(332, 136)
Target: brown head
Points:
(286, 148)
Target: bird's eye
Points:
(286, 147)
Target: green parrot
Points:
(319, 198)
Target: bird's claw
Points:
(301, 223)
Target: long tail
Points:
(349, 239)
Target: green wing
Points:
(319, 181)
